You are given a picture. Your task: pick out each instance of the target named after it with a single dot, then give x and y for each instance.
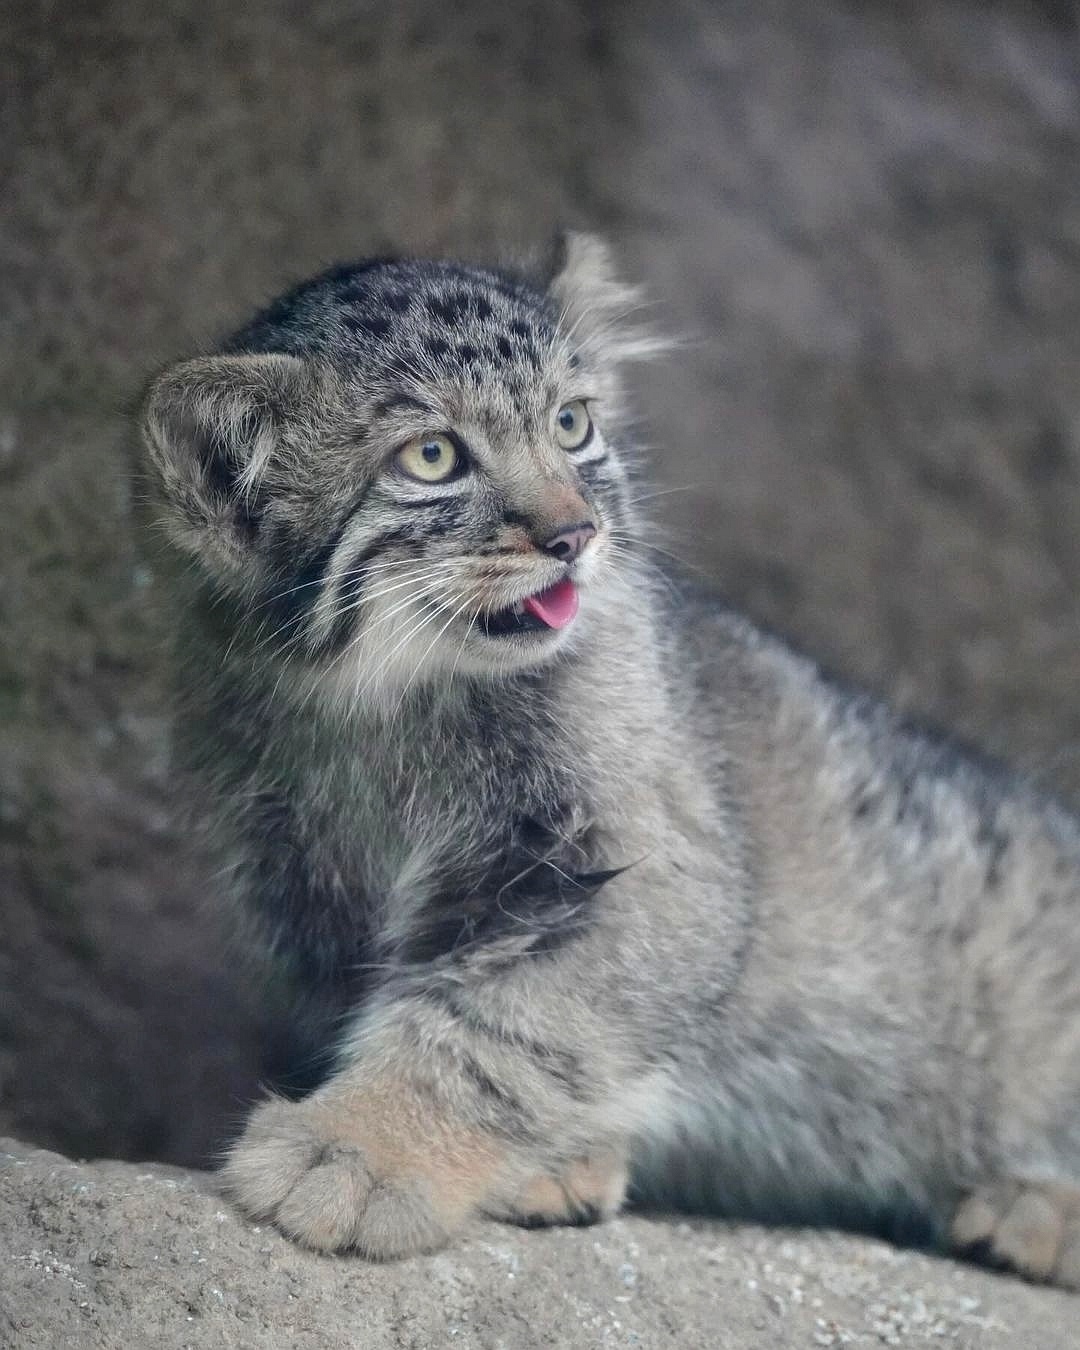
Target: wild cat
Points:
(602, 888)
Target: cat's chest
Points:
(411, 844)
(417, 809)
(467, 870)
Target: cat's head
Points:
(403, 470)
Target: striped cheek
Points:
(386, 571)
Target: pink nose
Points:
(570, 542)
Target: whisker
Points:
(365, 569)
(350, 646)
(637, 541)
(412, 584)
(464, 638)
(437, 607)
(423, 657)
(620, 552)
(365, 629)
(665, 492)
(412, 580)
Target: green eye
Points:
(429, 458)
(573, 425)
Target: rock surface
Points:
(118, 1255)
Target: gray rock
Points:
(112, 1254)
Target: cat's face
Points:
(403, 471)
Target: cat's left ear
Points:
(592, 303)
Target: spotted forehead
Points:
(446, 318)
(449, 325)
(485, 343)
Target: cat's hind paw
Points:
(589, 1190)
(1031, 1228)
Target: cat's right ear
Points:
(593, 303)
(211, 427)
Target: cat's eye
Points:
(573, 425)
(428, 458)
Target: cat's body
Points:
(635, 889)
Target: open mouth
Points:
(542, 612)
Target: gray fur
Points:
(648, 892)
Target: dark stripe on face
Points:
(434, 516)
(353, 580)
(510, 517)
(593, 463)
(413, 503)
(403, 402)
(296, 601)
(596, 477)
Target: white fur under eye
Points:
(430, 459)
(573, 425)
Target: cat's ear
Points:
(211, 427)
(594, 306)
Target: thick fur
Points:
(648, 897)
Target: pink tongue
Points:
(556, 606)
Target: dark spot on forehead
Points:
(520, 329)
(468, 354)
(506, 351)
(483, 309)
(371, 325)
(450, 309)
(435, 347)
(398, 301)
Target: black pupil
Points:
(567, 420)
(432, 451)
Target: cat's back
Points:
(842, 797)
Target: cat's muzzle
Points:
(545, 611)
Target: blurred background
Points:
(862, 218)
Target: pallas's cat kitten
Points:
(597, 886)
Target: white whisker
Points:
(437, 608)
(469, 599)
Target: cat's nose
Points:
(570, 542)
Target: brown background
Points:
(862, 219)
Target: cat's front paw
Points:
(337, 1176)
